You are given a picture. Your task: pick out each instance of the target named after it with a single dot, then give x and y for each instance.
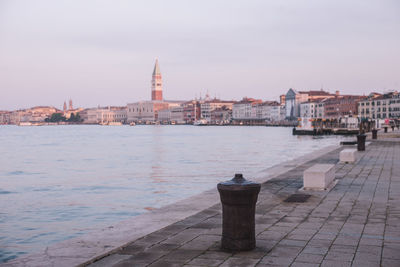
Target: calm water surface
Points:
(58, 182)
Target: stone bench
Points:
(319, 176)
(348, 155)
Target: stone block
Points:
(348, 155)
(319, 176)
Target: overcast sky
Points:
(103, 52)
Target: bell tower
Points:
(156, 84)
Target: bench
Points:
(319, 176)
(348, 155)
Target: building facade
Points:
(294, 99)
(104, 115)
(377, 106)
(145, 111)
(341, 106)
(207, 107)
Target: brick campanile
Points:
(156, 83)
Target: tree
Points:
(75, 118)
(56, 117)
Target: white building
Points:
(307, 110)
(164, 115)
(378, 106)
(177, 115)
(145, 111)
(277, 113)
(207, 107)
(294, 99)
(104, 115)
(244, 110)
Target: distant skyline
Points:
(98, 52)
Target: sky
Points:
(98, 52)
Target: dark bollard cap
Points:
(239, 180)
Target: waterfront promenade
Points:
(356, 223)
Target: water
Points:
(59, 182)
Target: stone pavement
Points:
(356, 223)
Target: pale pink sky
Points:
(102, 52)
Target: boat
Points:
(115, 123)
(25, 124)
(201, 122)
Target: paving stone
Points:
(276, 261)
(293, 243)
(391, 253)
(343, 249)
(163, 263)
(183, 255)
(390, 263)
(315, 250)
(335, 263)
(110, 260)
(285, 252)
(205, 262)
(239, 262)
(304, 264)
(310, 258)
(334, 255)
(218, 255)
(374, 250)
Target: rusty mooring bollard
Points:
(374, 134)
(238, 197)
(361, 142)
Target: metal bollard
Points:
(239, 198)
(374, 134)
(361, 142)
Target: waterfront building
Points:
(221, 115)
(156, 84)
(246, 110)
(104, 115)
(277, 113)
(164, 115)
(177, 115)
(191, 111)
(33, 115)
(341, 106)
(315, 109)
(294, 98)
(380, 106)
(264, 110)
(145, 111)
(5, 117)
(208, 106)
(282, 100)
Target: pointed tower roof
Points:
(156, 70)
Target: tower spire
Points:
(156, 70)
(156, 83)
